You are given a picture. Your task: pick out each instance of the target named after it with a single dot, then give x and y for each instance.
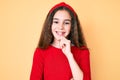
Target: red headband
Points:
(64, 5)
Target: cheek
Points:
(53, 26)
(53, 29)
(68, 29)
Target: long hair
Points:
(75, 36)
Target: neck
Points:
(56, 43)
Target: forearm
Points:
(76, 71)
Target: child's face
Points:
(61, 24)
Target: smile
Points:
(60, 33)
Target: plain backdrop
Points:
(20, 26)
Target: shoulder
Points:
(81, 54)
(80, 50)
(39, 52)
(39, 49)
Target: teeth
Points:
(60, 33)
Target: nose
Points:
(61, 26)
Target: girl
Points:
(62, 53)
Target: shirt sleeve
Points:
(37, 66)
(84, 63)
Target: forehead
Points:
(62, 14)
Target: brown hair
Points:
(75, 36)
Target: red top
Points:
(52, 64)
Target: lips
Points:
(59, 33)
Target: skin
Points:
(61, 28)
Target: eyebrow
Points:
(65, 19)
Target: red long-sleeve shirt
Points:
(52, 64)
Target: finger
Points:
(62, 44)
(63, 39)
(71, 79)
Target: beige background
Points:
(20, 26)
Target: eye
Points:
(67, 23)
(56, 22)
